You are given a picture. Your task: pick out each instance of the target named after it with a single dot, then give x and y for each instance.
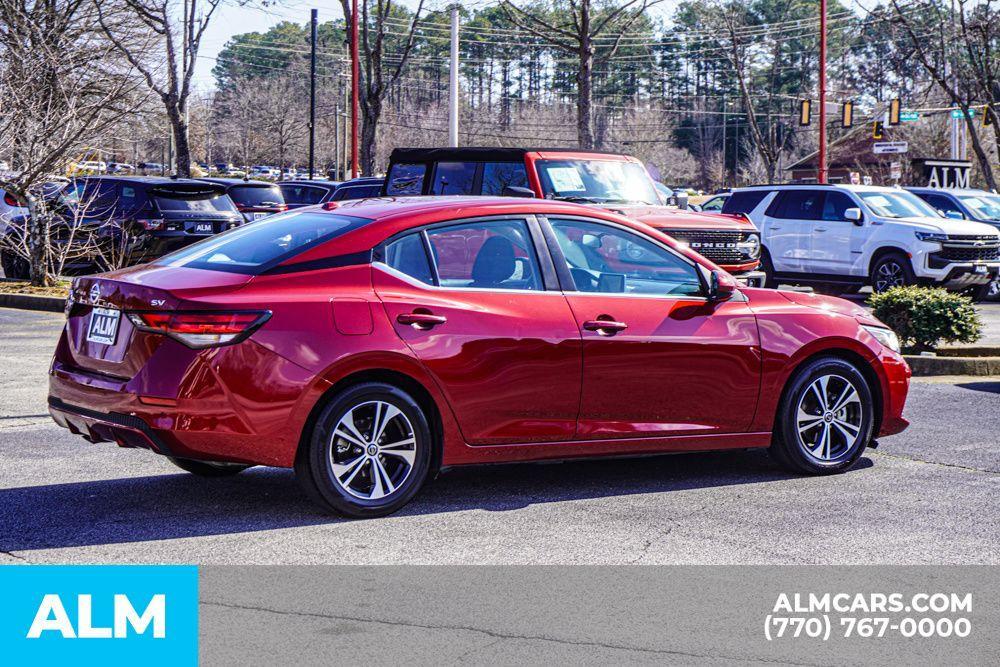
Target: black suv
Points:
(158, 214)
(254, 199)
(304, 192)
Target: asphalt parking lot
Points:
(929, 495)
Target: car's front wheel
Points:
(891, 270)
(369, 452)
(826, 418)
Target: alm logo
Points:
(52, 617)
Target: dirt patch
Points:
(59, 290)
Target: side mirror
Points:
(515, 191)
(954, 215)
(721, 286)
(853, 214)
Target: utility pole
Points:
(821, 176)
(355, 82)
(312, 93)
(725, 147)
(453, 81)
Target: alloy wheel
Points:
(829, 418)
(888, 274)
(372, 450)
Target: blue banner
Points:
(107, 614)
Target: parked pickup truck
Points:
(609, 180)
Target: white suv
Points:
(838, 238)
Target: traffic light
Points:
(805, 112)
(847, 114)
(878, 130)
(894, 112)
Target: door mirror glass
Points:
(954, 215)
(721, 286)
(853, 214)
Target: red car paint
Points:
(512, 375)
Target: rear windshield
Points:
(357, 192)
(302, 194)
(258, 246)
(256, 195)
(181, 201)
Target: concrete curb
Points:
(32, 302)
(929, 366)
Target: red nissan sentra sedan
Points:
(370, 345)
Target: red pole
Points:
(822, 91)
(355, 80)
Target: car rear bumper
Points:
(124, 429)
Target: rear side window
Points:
(743, 202)
(485, 255)
(408, 256)
(302, 194)
(406, 179)
(454, 178)
(256, 247)
(256, 195)
(500, 175)
(357, 192)
(798, 205)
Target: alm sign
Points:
(943, 174)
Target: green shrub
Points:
(924, 317)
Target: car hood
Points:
(949, 225)
(831, 304)
(664, 217)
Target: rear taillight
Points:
(151, 224)
(199, 329)
(10, 199)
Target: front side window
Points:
(405, 179)
(897, 205)
(834, 205)
(500, 175)
(485, 255)
(714, 204)
(597, 181)
(255, 248)
(454, 178)
(606, 259)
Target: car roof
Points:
(487, 154)
(146, 180)
(237, 181)
(363, 180)
(394, 215)
(951, 191)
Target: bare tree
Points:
(579, 32)
(61, 89)
(151, 31)
(379, 77)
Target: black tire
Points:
(767, 266)
(376, 472)
(208, 468)
(14, 267)
(829, 289)
(891, 270)
(794, 452)
(988, 292)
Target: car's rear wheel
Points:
(891, 270)
(826, 418)
(767, 266)
(369, 452)
(208, 468)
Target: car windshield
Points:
(256, 247)
(597, 181)
(897, 205)
(986, 207)
(256, 195)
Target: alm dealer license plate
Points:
(203, 228)
(103, 326)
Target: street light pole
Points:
(355, 81)
(453, 81)
(822, 92)
(312, 95)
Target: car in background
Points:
(714, 203)
(253, 199)
(967, 204)
(120, 168)
(153, 215)
(264, 171)
(612, 181)
(363, 187)
(299, 193)
(151, 169)
(841, 237)
(89, 167)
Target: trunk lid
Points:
(101, 339)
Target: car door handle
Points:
(820, 229)
(420, 320)
(605, 327)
